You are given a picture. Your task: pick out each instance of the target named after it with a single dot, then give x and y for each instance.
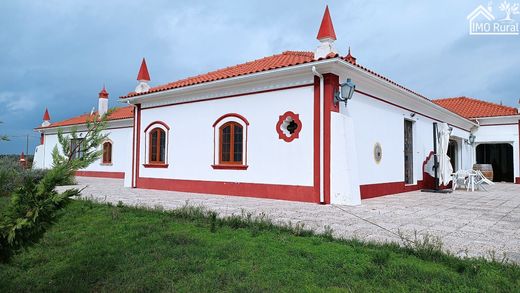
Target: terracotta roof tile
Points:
(288, 58)
(473, 108)
(285, 59)
(119, 113)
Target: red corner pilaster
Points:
(517, 180)
(137, 143)
(331, 84)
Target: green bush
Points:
(13, 176)
(32, 210)
(35, 203)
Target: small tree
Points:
(34, 205)
(79, 151)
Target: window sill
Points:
(157, 165)
(230, 167)
(106, 164)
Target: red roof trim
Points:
(231, 115)
(326, 28)
(157, 122)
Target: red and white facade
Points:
(271, 128)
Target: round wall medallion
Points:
(378, 152)
(289, 126)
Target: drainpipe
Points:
(316, 73)
(133, 182)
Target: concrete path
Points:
(469, 223)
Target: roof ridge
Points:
(297, 53)
(478, 101)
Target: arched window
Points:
(107, 152)
(231, 143)
(230, 133)
(157, 146)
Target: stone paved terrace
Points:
(469, 223)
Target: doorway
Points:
(500, 156)
(452, 153)
(408, 152)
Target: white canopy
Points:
(443, 140)
(445, 168)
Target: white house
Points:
(286, 127)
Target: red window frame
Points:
(232, 133)
(158, 150)
(107, 152)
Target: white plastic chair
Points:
(480, 180)
(459, 179)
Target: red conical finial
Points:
(22, 157)
(350, 58)
(46, 116)
(326, 29)
(143, 72)
(103, 94)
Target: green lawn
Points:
(97, 247)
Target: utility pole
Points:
(27, 145)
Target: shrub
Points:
(35, 204)
(13, 176)
(32, 210)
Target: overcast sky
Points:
(58, 53)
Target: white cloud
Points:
(17, 102)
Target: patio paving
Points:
(469, 223)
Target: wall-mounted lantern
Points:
(471, 139)
(346, 91)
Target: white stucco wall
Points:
(121, 139)
(270, 159)
(379, 122)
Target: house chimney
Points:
(143, 77)
(103, 102)
(46, 118)
(326, 36)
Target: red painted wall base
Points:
(101, 174)
(517, 180)
(271, 191)
(380, 189)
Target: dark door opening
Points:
(452, 153)
(500, 156)
(408, 152)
